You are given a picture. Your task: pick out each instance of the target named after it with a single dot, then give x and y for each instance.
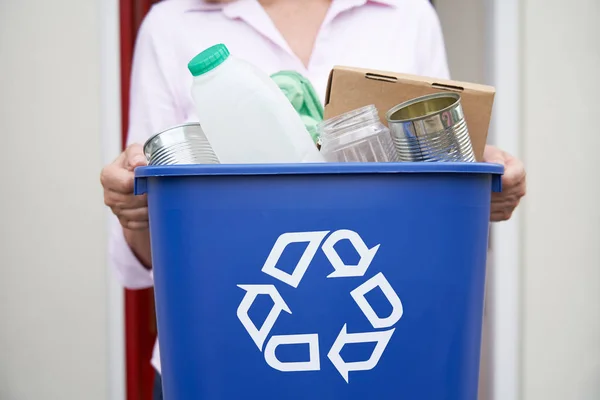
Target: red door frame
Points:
(140, 325)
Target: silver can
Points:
(183, 144)
(431, 128)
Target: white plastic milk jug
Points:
(244, 114)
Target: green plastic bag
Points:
(301, 93)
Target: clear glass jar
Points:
(357, 136)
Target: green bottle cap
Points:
(208, 60)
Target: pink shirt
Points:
(393, 35)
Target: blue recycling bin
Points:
(323, 282)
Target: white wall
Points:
(463, 23)
(53, 285)
(561, 258)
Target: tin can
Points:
(182, 144)
(431, 128)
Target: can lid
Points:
(208, 59)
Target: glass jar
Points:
(357, 136)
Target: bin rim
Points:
(320, 169)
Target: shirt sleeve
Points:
(152, 108)
(433, 61)
(129, 271)
(152, 105)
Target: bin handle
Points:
(496, 183)
(140, 185)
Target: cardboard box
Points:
(352, 88)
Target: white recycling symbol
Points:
(380, 337)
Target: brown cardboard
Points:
(352, 88)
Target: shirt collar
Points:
(391, 3)
(201, 5)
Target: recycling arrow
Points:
(313, 363)
(279, 305)
(342, 270)
(380, 281)
(314, 239)
(382, 338)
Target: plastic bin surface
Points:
(329, 281)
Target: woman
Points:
(308, 36)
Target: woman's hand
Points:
(132, 211)
(117, 181)
(514, 184)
